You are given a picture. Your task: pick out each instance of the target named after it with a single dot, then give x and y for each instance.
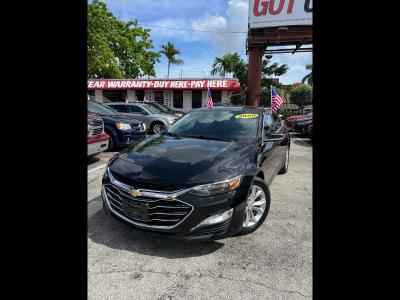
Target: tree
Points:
(301, 95)
(308, 77)
(269, 72)
(225, 64)
(117, 49)
(170, 51)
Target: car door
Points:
(268, 150)
(139, 114)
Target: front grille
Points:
(146, 210)
(146, 185)
(212, 229)
(97, 127)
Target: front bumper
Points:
(201, 208)
(97, 147)
(126, 137)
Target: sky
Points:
(200, 48)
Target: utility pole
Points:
(181, 73)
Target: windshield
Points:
(152, 109)
(100, 109)
(226, 125)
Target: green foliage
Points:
(308, 77)
(301, 95)
(117, 49)
(170, 51)
(225, 64)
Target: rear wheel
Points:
(257, 206)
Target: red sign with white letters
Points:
(139, 84)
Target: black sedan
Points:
(206, 177)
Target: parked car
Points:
(165, 109)
(154, 119)
(206, 177)
(290, 121)
(97, 139)
(122, 130)
(301, 125)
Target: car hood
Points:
(120, 118)
(177, 160)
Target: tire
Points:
(157, 127)
(111, 144)
(285, 165)
(259, 185)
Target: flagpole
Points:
(271, 99)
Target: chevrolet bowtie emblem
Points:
(134, 193)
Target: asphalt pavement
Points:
(274, 262)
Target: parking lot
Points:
(274, 262)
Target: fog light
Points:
(217, 218)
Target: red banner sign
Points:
(136, 84)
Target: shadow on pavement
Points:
(104, 229)
(92, 159)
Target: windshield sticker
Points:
(246, 116)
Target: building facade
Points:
(178, 94)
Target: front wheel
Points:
(285, 165)
(257, 206)
(157, 128)
(111, 144)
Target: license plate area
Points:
(135, 209)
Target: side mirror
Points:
(275, 137)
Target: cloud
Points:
(209, 23)
(235, 21)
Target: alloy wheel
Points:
(255, 208)
(157, 128)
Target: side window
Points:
(120, 108)
(268, 124)
(137, 110)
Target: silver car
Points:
(155, 119)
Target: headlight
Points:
(216, 188)
(123, 126)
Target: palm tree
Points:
(170, 51)
(308, 77)
(225, 64)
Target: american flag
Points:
(210, 103)
(276, 100)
